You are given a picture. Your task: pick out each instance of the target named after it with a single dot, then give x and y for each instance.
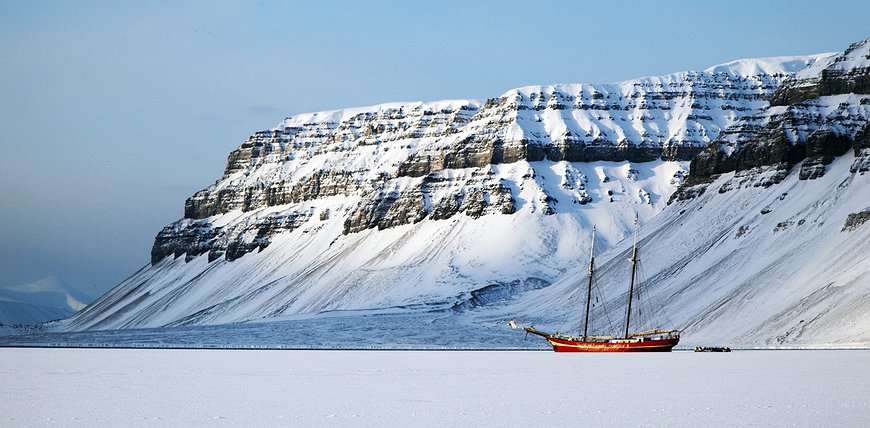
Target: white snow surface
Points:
(772, 65)
(139, 388)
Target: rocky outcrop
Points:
(318, 184)
(180, 238)
(772, 149)
(817, 115)
(815, 133)
(193, 238)
(862, 151)
(389, 209)
(479, 154)
(821, 147)
(385, 210)
(848, 72)
(855, 220)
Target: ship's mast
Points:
(633, 261)
(589, 287)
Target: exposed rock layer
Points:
(403, 163)
(818, 114)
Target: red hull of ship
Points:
(655, 345)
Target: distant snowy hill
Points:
(477, 206)
(44, 300)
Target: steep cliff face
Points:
(816, 115)
(403, 163)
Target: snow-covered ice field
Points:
(162, 387)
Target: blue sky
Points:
(112, 113)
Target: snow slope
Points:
(436, 263)
(759, 266)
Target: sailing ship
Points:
(644, 341)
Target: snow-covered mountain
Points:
(467, 204)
